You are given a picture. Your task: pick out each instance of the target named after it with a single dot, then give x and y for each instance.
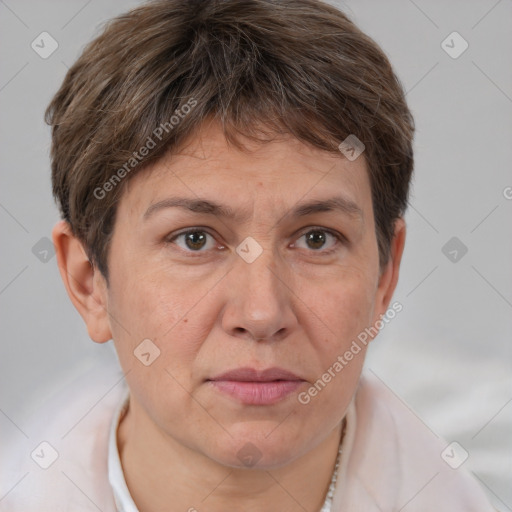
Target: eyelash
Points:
(338, 236)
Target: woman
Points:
(232, 178)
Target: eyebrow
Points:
(339, 203)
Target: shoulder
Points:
(59, 462)
(393, 460)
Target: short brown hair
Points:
(260, 67)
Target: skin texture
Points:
(297, 306)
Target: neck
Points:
(162, 474)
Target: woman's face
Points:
(269, 278)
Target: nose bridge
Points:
(261, 278)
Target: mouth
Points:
(252, 387)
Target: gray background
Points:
(447, 354)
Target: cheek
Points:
(343, 307)
(153, 307)
(166, 312)
(345, 310)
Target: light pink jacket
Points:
(390, 462)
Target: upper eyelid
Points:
(303, 231)
(172, 236)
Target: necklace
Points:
(326, 507)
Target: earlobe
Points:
(86, 288)
(389, 276)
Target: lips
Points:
(247, 374)
(252, 387)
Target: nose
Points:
(260, 300)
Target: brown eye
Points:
(319, 240)
(194, 240)
(315, 239)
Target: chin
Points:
(254, 448)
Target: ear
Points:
(389, 275)
(85, 285)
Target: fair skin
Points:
(297, 306)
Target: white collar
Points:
(122, 497)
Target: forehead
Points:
(275, 174)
